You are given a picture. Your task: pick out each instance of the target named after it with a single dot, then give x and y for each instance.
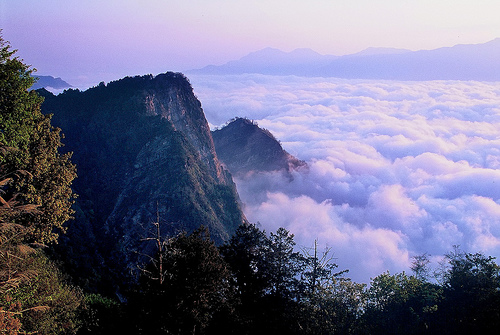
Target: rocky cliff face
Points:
(178, 105)
(143, 150)
(245, 147)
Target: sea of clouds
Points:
(396, 169)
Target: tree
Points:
(471, 297)
(266, 275)
(284, 264)
(155, 269)
(195, 287)
(319, 272)
(399, 304)
(420, 266)
(329, 303)
(35, 201)
(245, 254)
(35, 145)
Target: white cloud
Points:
(372, 249)
(395, 168)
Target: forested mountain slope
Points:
(245, 147)
(144, 151)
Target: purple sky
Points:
(85, 42)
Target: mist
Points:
(395, 169)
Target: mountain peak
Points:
(143, 150)
(380, 51)
(266, 55)
(299, 55)
(49, 82)
(245, 147)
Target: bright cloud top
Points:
(396, 169)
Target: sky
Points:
(85, 42)
(396, 169)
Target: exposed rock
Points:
(143, 148)
(183, 110)
(244, 147)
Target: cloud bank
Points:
(396, 169)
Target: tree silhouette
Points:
(195, 287)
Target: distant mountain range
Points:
(461, 62)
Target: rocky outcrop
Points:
(244, 147)
(143, 150)
(177, 104)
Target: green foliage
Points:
(46, 181)
(17, 104)
(264, 265)
(420, 267)
(280, 290)
(245, 254)
(284, 264)
(35, 201)
(194, 291)
(48, 289)
(335, 309)
(258, 284)
(100, 315)
(466, 301)
(471, 294)
(329, 303)
(49, 186)
(318, 273)
(399, 304)
(46, 304)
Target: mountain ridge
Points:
(144, 152)
(459, 62)
(245, 148)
